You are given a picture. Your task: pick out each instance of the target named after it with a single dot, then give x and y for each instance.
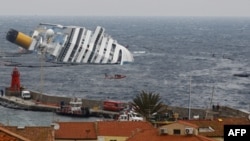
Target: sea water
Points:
(174, 57)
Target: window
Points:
(177, 131)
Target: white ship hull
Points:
(72, 44)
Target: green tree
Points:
(147, 103)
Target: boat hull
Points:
(84, 112)
(72, 44)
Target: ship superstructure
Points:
(72, 44)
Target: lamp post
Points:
(189, 105)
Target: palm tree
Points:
(147, 103)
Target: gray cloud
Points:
(127, 7)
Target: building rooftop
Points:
(153, 135)
(30, 133)
(216, 126)
(76, 130)
(124, 128)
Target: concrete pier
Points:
(52, 100)
(19, 103)
(43, 102)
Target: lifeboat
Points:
(116, 76)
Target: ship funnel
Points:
(19, 38)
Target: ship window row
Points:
(113, 47)
(95, 57)
(83, 35)
(76, 44)
(95, 45)
(98, 50)
(82, 43)
(102, 59)
(80, 49)
(65, 49)
(105, 48)
(86, 51)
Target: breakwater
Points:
(53, 100)
(44, 102)
(18, 103)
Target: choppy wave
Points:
(167, 54)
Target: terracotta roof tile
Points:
(6, 135)
(218, 125)
(32, 133)
(187, 123)
(152, 135)
(121, 128)
(76, 130)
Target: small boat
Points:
(74, 108)
(130, 116)
(242, 75)
(116, 76)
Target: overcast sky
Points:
(126, 7)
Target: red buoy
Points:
(15, 81)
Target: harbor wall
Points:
(15, 103)
(223, 111)
(54, 100)
(8, 92)
(48, 99)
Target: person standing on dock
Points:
(1, 92)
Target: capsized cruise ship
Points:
(72, 44)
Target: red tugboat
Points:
(74, 108)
